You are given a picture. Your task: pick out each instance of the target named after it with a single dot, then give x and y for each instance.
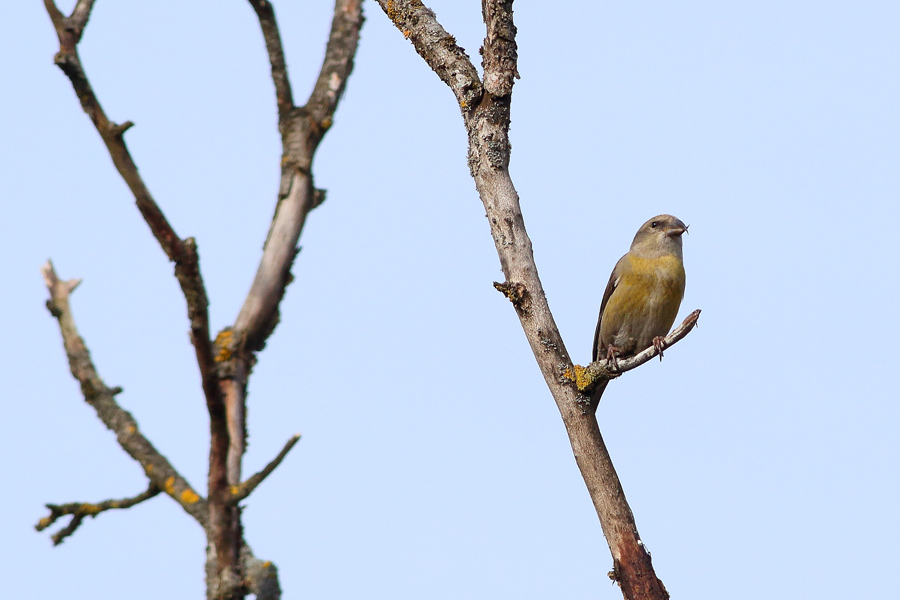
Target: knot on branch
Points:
(319, 196)
(517, 294)
(118, 130)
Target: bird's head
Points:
(659, 236)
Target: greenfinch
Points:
(643, 294)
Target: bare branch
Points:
(338, 62)
(301, 131)
(586, 379)
(102, 398)
(240, 492)
(487, 123)
(182, 252)
(261, 576)
(500, 52)
(284, 97)
(439, 49)
(80, 510)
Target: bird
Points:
(644, 293)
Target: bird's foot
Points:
(611, 352)
(659, 343)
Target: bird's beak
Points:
(676, 231)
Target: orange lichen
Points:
(223, 342)
(580, 377)
(189, 496)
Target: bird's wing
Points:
(610, 288)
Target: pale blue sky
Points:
(761, 457)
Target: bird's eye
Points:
(654, 224)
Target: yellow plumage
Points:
(644, 291)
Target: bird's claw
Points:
(611, 352)
(659, 343)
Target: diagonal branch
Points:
(487, 122)
(437, 47)
(80, 510)
(587, 378)
(158, 470)
(240, 492)
(182, 252)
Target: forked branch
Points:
(80, 510)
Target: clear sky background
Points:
(760, 457)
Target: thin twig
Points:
(240, 492)
(284, 97)
(102, 398)
(80, 510)
(587, 378)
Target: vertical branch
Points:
(302, 129)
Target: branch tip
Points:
(80, 510)
(240, 492)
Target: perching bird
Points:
(643, 294)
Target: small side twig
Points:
(588, 378)
(240, 492)
(102, 398)
(80, 510)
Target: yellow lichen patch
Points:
(170, 486)
(407, 33)
(267, 564)
(189, 496)
(235, 489)
(463, 104)
(148, 468)
(131, 429)
(223, 342)
(44, 523)
(580, 377)
(326, 123)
